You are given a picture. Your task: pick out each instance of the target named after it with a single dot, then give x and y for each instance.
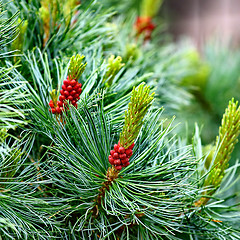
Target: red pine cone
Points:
(70, 91)
(120, 156)
(144, 25)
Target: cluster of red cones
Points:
(120, 156)
(70, 91)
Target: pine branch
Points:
(139, 194)
(23, 212)
(10, 116)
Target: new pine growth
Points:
(227, 139)
(113, 67)
(225, 143)
(140, 102)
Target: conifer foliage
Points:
(225, 143)
(86, 151)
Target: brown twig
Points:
(111, 175)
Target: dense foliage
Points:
(87, 150)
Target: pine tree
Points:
(89, 153)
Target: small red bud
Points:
(64, 88)
(125, 160)
(121, 150)
(51, 104)
(66, 82)
(131, 147)
(73, 92)
(66, 93)
(111, 160)
(118, 167)
(70, 98)
(60, 103)
(126, 164)
(53, 110)
(61, 91)
(116, 147)
(115, 155)
(129, 152)
(58, 109)
(73, 102)
(76, 95)
(69, 88)
(112, 152)
(117, 162)
(62, 98)
(122, 156)
(73, 83)
(79, 90)
(75, 87)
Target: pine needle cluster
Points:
(56, 181)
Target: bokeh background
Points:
(201, 19)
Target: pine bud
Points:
(140, 102)
(225, 142)
(227, 139)
(114, 66)
(76, 68)
(48, 14)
